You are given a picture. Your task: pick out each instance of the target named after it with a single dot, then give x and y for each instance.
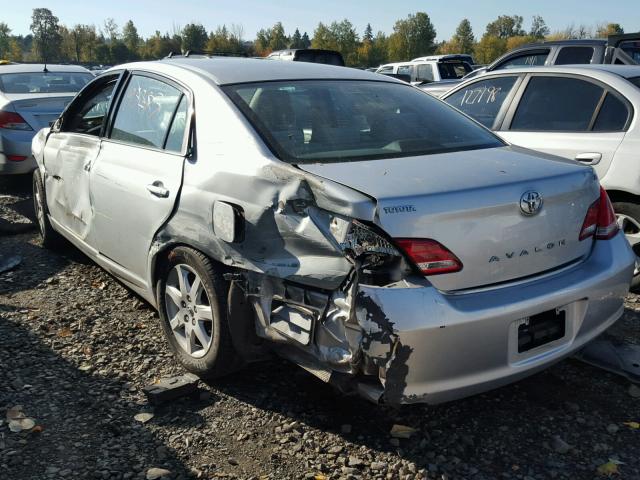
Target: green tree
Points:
(489, 48)
(506, 26)
(296, 40)
(539, 28)
(271, 39)
(131, 40)
(306, 41)
(412, 37)
(46, 36)
(194, 37)
(5, 37)
(463, 39)
(604, 30)
(368, 34)
(15, 51)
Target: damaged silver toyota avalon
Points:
(345, 220)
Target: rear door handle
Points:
(590, 158)
(157, 189)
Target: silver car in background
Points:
(32, 96)
(347, 221)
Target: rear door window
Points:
(146, 112)
(483, 99)
(574, 55)
(559, 104)
(530, 59)
(613, 115)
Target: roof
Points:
(39, 67)
(229, 70)
(626, 71)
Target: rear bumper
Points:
(9, 167)
(451, 346)
(16, 143)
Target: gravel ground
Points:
(76, 349)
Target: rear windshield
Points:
(41, 82)
(453, 70)
(332, 120)
(328, 58)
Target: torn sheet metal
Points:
(613, 356)
(287, 220)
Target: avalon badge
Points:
(530, 202)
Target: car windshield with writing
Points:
(43, 82)
(338, 121)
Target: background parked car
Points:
(31, 97)
(617, 49)
(310, 55)
(430, 69)
(585, 113)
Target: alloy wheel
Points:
(189, 310)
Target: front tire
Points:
(50, 238)
(628, 216)
(192, 303)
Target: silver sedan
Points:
(31, 97)
(347, 221)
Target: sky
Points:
(252, 15)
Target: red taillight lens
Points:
(430, 257)
(16, 158)
(13, 121)
(600, 220)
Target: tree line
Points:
(413, 36)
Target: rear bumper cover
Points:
(10, 167)
(450, 346)
(16, 142)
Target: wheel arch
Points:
(622, 196)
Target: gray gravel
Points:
(76, 349)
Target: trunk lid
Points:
(469, 201)
(38, 110)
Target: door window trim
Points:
(524, 53)
(184, 90)
(508, 119)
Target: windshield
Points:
(453, 70)
(635, 81)
(41, 82)
(333, 120)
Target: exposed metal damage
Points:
(299, 265)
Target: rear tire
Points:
(192, 303)
(50, 238)
(628, 215)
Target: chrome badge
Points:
(530, 202)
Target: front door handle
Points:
(157, 189)
(590, 158)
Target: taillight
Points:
(13, 121)
(430, 257)
(600, 220)
(16, 158)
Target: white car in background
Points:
(431, 69)
(588, 113)
(32, 96)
